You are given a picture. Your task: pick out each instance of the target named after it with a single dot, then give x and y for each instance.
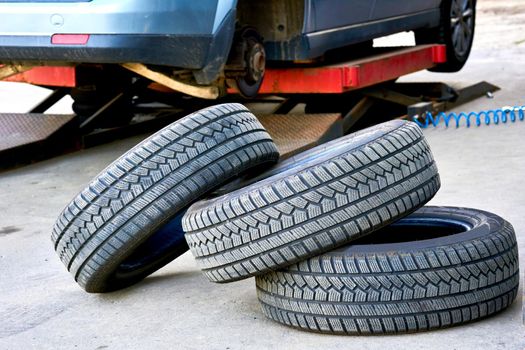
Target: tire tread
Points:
(145, 187)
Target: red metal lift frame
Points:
(353, 75)
(330, 79)
(47, 76)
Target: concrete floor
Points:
(177, 308)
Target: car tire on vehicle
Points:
(436, 268)
(456, 31)
(313, 202)
(126, 223)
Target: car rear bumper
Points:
(177, 33)
(170, 50)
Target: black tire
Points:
(126, 223)
(436, 268)
(313, 202)
(444, 34)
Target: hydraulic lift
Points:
(337, 99)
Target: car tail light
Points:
(69, 39)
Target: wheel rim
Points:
(462, 25)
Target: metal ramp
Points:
(35, 134)
(290, 135)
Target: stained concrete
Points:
(177, 308)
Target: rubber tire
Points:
(443, 35)
(401, 287)
(313, 202)
(125, 211)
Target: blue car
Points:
(206, 41)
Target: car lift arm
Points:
(206, 92)
(12, 69)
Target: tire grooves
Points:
(504, 300)
(245, 233)
(159, 183)
(119, 209)
(331, 295)
(417, 141)
(356, 203)
(79, 248)
(314, 188)
(339, 223)
(296, 259)
(79, 270)
(123, 157)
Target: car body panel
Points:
(322, 14)
(321, 41)
(338, 23)
(388, 8)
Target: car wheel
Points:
(313, 202)
(436, 268)
(126, 223)
(254, 62)
(456, 31)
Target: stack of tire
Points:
(336, 236)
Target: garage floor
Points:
(176, 308)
